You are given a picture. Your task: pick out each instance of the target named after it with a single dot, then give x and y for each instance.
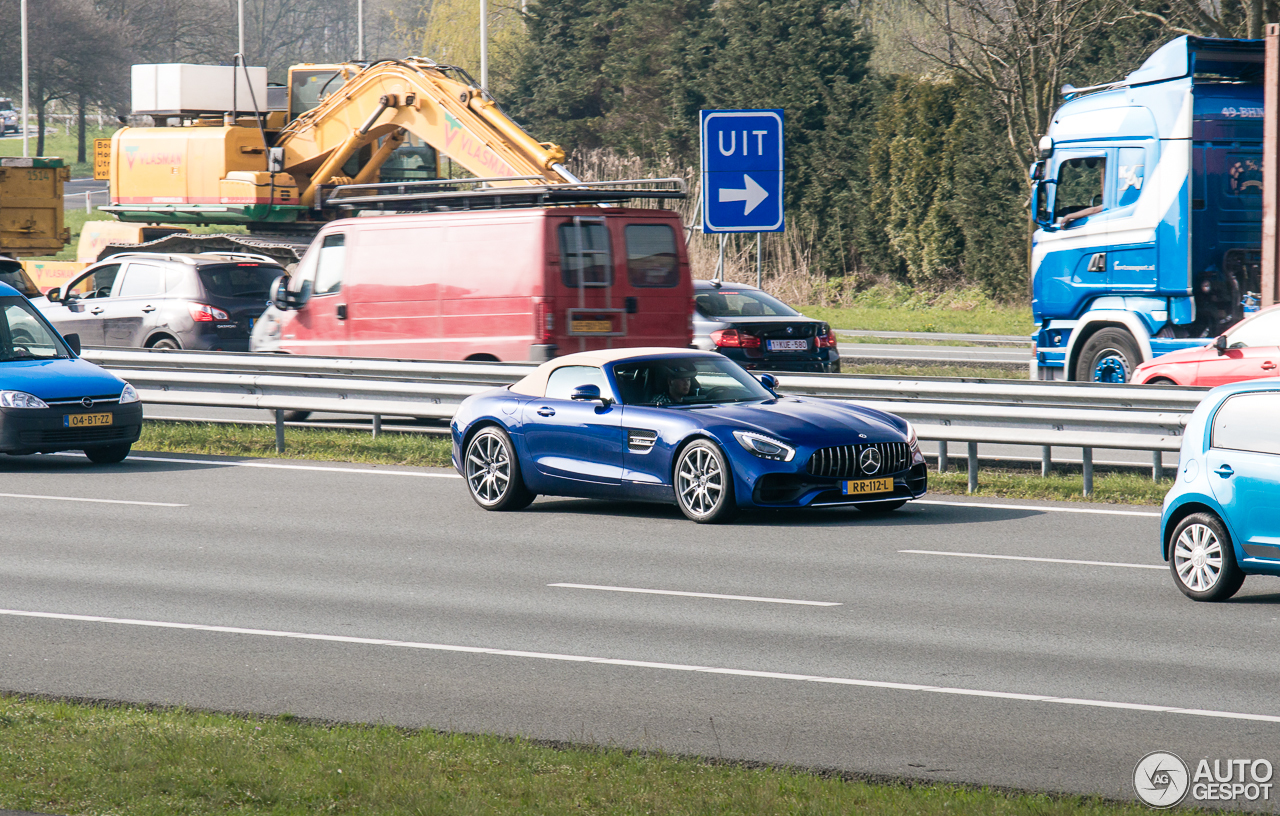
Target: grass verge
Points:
(62, 142)
(421, 450)
(62, 757)
(1066, 483)
(911, 372)
(898, 308)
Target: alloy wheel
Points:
(488, 468)
(700, 482)
(1197, 557)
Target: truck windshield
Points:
(239, 280)
(24, 336)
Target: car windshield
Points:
(12, 273)
(730, 302)
(239, 280)
(686, 381)
(24, 335)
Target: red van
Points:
(506, 285)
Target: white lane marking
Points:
(95, 501)
(697, 595)
(1029, 558)
(274, 466)
(1087, 510)
(647, 664)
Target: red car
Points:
(1249, 350)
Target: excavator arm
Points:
(436, 103)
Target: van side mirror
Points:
(73, 340)
(283, 299)
(589, 393)
(1220, 343)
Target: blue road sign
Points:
(742, 171)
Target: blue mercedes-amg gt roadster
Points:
(678, 425)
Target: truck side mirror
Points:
(1220, 343)
(1043, 215)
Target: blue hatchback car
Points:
(50, 399)
(1220, 520)
(683, 426)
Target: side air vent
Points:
(640, 441)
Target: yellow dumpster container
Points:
(31, 220)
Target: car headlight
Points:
(129, 394)
(20, 399)
(913, 442)
(766, 447)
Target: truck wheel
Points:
(1110, 356)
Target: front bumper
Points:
(805, 490)
(43, 430)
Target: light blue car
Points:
(1221, 520)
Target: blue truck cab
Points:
(1147, 199)
(50, 399)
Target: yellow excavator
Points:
(278, 171)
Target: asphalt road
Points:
(384, 595)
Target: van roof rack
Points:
(505, 192)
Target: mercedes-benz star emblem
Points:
(86, 402)
(869, 460)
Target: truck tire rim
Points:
(1197, 558)
(1112, 367)
(488, 468)
(700, 481)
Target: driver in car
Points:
(680, 383)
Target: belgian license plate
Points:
(788, 345)
(861, 486)
(593, 326)
(85, 420)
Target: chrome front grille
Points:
(844, 461)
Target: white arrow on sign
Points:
(751, 193)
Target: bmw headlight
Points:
(913, 442)
(128, 395)
(766, 447)
(20, 399)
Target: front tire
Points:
(1202, 560)
(1109, 356)
(108, 454)
(493, 472)
(704, 483)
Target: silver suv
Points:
(178, 301)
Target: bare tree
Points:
(1212, 18)
(1019, 49)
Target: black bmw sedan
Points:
(758, 331)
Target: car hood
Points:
(1186, 355)
(807, 422)
(59, 379)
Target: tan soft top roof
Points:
(535, 384)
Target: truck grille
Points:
(842, 461)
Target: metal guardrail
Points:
(973, 412)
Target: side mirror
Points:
(73, 340)
(53, 294)
(769, 381)
(1220, 343)
(589, 393)
(279, 292)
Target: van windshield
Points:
(239, 280)
(24, 336)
